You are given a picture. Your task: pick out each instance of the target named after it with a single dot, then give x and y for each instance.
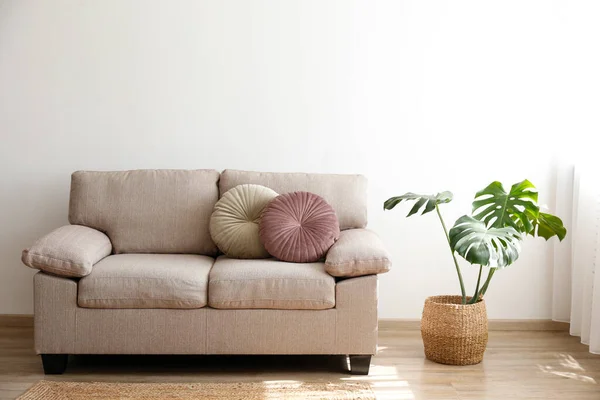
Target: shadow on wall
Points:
(31, 206)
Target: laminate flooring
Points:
(517, 365)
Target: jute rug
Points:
(52, 390)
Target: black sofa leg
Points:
(359, 365)
(54, 363)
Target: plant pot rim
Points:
(452, 301)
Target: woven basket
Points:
(454, 333)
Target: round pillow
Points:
(299, 227)
(234, 221)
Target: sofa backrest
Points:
(347, 194)
(147, 211)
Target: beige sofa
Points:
(136, 272)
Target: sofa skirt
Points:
(61, 327)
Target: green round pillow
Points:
(235, 218)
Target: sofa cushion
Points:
(347, 194)
(270, 284)
(69, 251)
(147, 211)
(147, 281)
(234, 221)
(358, 252)
(299, 227)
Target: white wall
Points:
(418, 96)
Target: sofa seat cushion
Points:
(270, 283)
(147, 281)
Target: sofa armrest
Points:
(68, 251)
(54, 314)
(357, 252)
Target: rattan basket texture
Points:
(454, 333)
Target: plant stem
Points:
(460, 278)
(476, 295)
(487, 282)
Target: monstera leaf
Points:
(429, 201)
(498, 209)
(488, 246)
(518, 209)
(547, 225)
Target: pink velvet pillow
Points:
(298, 227)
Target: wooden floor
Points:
(517, 365)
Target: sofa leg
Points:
(54, 363)
(359, 365)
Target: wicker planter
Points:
(453, 333)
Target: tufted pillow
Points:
(234, 221)
(299, 227)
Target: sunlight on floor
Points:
(394, 395)
(383, 370)
(371, 378)
(568, 362)
(278, 389)
(383, 380)
(386, 383)
(276, 384)
(389, 384)
(571, 375)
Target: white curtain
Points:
(576, 283)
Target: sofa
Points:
(136, 272)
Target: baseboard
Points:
(26, 321)
(527, 325)
(16, 321)
(493, 325)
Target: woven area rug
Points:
(52, 390)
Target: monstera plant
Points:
(491, 236)
(454, 329)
